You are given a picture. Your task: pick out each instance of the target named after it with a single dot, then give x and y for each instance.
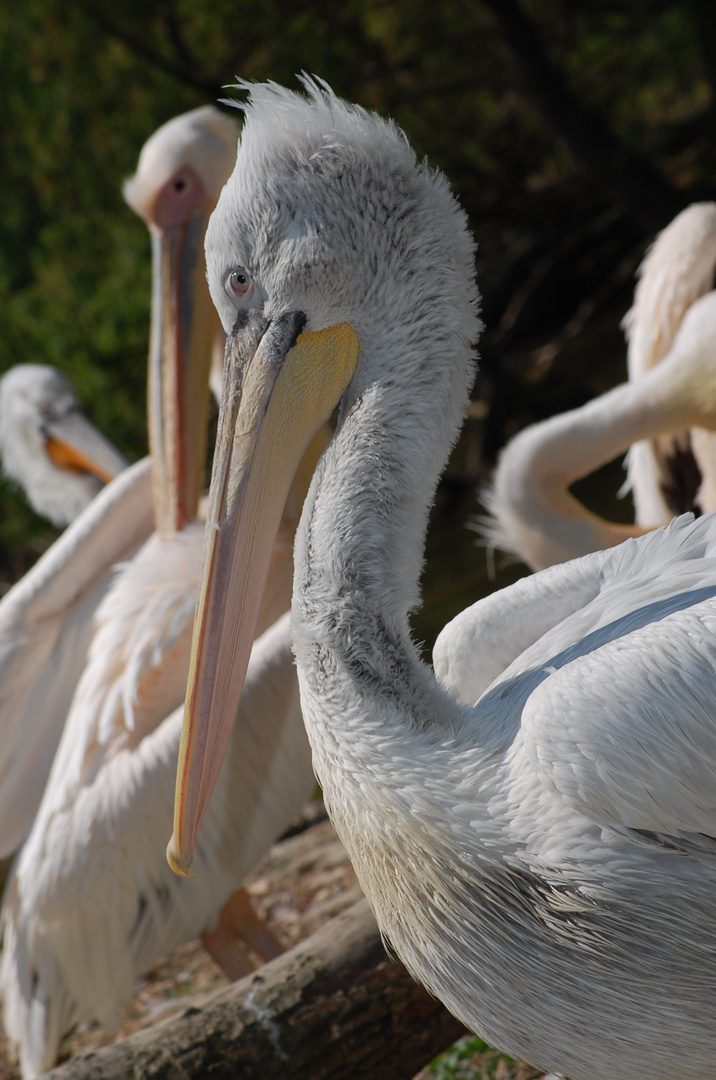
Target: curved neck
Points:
(359, 552)
(533, 513)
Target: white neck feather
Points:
(358, 558)
(533, 513)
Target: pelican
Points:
(542, 860)
(669, 475)
(665, 416)
(47, 619)
(90, 904)
(48, 447)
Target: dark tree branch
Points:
(626, 173)
(333, 1008)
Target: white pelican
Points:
(665, 416)
(47, 619)
(91, 904)
(48, 446)
(677, 471)
(543, 861)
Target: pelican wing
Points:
(626, 734)
(618, 716)
(478, 645)
(109, 844)
(138, 660)
(46, 624)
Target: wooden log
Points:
(335, 1006)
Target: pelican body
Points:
(542, 859)
(62, 462)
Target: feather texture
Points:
(542, 860)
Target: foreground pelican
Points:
(91, 904)
(542, 861)
(665, 416)
(47, 445)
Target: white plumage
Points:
(91, 903)
(46, 625)
(676, 471)
(664, 417)
(543, 860)
(48, 447)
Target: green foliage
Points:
(472, 1059)
(85, 82)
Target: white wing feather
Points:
(46, 624)
(477, 645)
(650, 767)
(613, 702)
(93, 902)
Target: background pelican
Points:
(677, 471)
(47, 619)
(666, 415)
(46, 625)
(48, 447)
(91, 904)
(542, 861)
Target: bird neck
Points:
(533, 513)
(359, 552)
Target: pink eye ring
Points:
(238, 284)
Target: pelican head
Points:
(185, 162)
(48, 446)
(180, 173)
(325, 245)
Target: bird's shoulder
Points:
(614, 704)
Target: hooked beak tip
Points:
(180, 864)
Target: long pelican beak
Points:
(280, 386)
(73, 443)
(184, 325)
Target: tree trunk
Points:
(335, 1007)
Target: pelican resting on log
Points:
(542, 856)
(48, 446)
(91, 904)
(665, 416)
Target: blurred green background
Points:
(572, 132)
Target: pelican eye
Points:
(239, 285)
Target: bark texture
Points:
(335, 1006)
